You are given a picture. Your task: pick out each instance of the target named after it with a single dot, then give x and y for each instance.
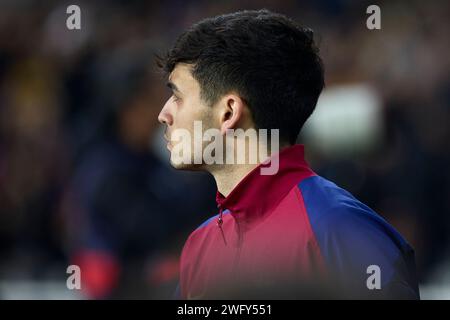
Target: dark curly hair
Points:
(270, 61)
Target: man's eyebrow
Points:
(172, 86)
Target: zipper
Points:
(239, 243)
(237, 257)
(220, 219)
(220, 223)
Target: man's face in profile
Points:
(181, 110)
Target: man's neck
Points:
(228, 176)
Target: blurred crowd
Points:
(84, 178)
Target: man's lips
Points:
(168, 142)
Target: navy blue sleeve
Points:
(366, 256)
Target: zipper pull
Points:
(220, 220)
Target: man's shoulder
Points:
(328, 203)
(352, 237)
(336, 215)
(333, 211)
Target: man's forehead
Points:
(181, 73)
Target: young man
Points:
(289, 233)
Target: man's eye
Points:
(175, 98)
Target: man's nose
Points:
(164, 116)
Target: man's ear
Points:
(231, 112)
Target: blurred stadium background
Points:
(85, 180)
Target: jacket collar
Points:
(257, 194)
